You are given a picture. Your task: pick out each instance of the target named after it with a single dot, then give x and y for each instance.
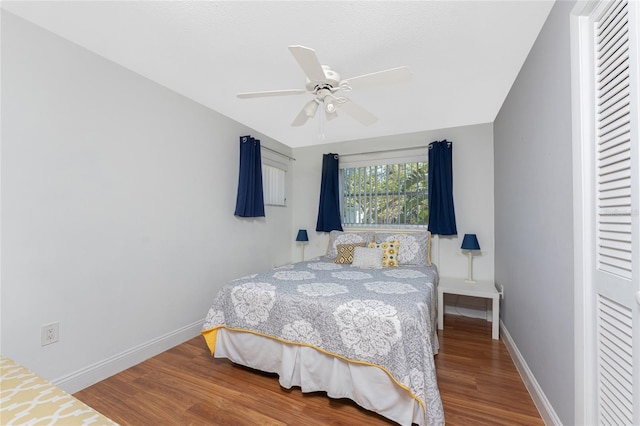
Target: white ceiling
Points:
(464, 55)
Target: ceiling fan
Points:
(324, 83)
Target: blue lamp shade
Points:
(470, 242)
(302, 235)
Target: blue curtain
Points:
(329, 208)
(250, 201)
(442, 215)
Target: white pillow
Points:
(365, 257)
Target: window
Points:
(273, 186)
(274, 177)
(387, 194)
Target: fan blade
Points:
(356, 111)
(307, 112)
(271, 93)
(393, 75)
(300, 119)
(308, 61)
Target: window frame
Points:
(382, 158)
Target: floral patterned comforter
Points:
(383, 317)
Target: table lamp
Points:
(302, 238)
(470, 243)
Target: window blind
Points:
(273, 185)
(388, 195)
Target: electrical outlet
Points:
(49, 333)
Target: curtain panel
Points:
(329, 207)
(442, 216)
(250, 199)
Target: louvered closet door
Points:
(616, 213)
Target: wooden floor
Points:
(478, 383)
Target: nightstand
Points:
(485, 289)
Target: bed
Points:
(367, 334)
(28, 399)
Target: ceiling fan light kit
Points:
(323, 82)
(311, 108)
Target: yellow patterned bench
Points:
(28, 399)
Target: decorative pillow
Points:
(345, 252)
(339, 237)
(416, 247)
(390, 249)
(364, 257)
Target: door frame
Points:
(582, 95)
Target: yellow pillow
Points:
(345, 252)
(390, 249)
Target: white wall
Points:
(472, 183)
(534, 222)
(117, 208)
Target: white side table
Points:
(485, 289)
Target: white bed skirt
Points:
(312, 370)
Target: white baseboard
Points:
(543, 405)
(94, 373)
